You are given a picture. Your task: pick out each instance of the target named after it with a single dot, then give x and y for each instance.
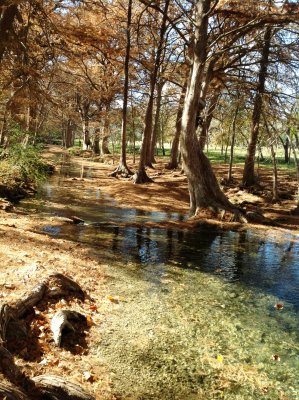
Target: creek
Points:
(197, 319)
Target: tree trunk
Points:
(173, 163)
(147, 133)
(140, 176)
(106, 132)
(156, 122)
(286, 148)
(104, 145)
(3, 131)
(275, 174)
(208, 119)
(122, 168)
(296, 160)
(203, 186)
(85, 131)
(96, 142)
(69, 135)
(231, 159)
(248, 173)
(8, 14)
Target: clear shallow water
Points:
(199, 306)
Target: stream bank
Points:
(150, 336)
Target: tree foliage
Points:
(63, 70)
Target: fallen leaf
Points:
(220, 358)
(89, 321)
(55, 361)
(113, 299)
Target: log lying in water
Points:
(15, 384)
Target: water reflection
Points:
(240, 257)
(175, 319)
(243, 257)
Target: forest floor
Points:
(27, 257)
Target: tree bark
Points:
(9, 391)
(208, 119)
(86, 136)
(106, 131)
(173, 163)
(286, 146)
(104, 145)
(232, 145)
(96, 142)
(69, 134)
(8, 15)
(275, 197)
(55, 387)
(248, 173)
(83, 105)
(3, 131)
(296, 160)
(156, 122)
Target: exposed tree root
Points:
(141, 177)
(5, 205)
(121, 170)
(229, 214)
(55, 387)
(61, 320)
(11, 392)
(149, 164)
(16, 385)
(172, 165)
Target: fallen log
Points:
(16, 385)
(57, 388)
(60, 285)
(23, 306)
(61, 320)
(11, 392)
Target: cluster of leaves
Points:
(28, 163)
(22, 163)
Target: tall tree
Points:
(140, 175)
(122, 168)
(203, 186)
(174, 153)
(248, 173)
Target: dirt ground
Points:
(27, 257)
